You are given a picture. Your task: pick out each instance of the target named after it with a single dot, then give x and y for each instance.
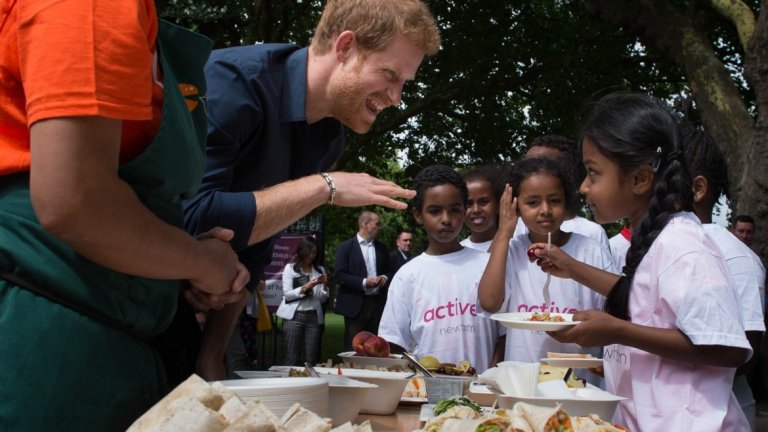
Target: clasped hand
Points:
(223, 281)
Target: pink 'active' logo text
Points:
(450, 309)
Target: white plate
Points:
(574, 363)
(521, 320)
(413, 400)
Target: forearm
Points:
(675, 345)
(218, 330)
(78, 198)
(596, 279)
(492, 286)
(279, 206)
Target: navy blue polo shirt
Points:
(258, 136)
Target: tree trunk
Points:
(754, 197)
(666, 28)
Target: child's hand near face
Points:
(507, 214)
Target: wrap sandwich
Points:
(543, 419)
(486, 424)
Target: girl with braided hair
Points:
(672, 329)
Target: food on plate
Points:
(443, 405)
(493, 424)
(543, 418)
(545, 316)
(570, 355)
(359, 339)
(416, 388)
(429, 362)
(295, 372)
(462, 368)
(551, 373)
(593, 423)
(376, 346)
(368, 344)
(523, 417)
(196, 406)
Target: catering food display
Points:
(522, 417)
(197, 406)
(572, 360)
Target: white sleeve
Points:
(708, 310)
(749, 280)
(395, 324)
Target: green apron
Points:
(63, 370)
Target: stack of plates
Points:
(278, 394)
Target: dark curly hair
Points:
(633, 130)
(532, 166)
(570, 158)
(436, 175)
(704, 158)
(493, 174)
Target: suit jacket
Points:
(350, 272)
(396, 260)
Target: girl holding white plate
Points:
(540, 191)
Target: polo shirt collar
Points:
(293, 97)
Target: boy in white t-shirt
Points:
(431, 307)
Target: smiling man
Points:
(275, 123)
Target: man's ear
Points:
(642, 180)
(344, 46)
(700, 186)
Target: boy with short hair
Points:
(431, 307)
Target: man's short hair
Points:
(364, 217)
(376, 23)
(744, 218)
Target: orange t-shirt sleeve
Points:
(86, 57)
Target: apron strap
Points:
(93, 314)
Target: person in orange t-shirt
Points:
(92, 253)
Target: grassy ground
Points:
(272, 348)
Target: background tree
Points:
(511, 70)
(721, 46)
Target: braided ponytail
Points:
(634, 130)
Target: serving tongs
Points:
(417, 365)
(311, 370)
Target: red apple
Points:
(376, 346)
(532, 254)
(359, 340)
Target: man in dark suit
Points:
(362, 273)
(402, 254)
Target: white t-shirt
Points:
(482, 247)
(747, 272)
(577, 225)
(682, 282)
(431, 309)
(619, 247)
(523, 293)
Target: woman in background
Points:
(304, 292)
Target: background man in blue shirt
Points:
(275, 116)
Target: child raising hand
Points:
(542, 193)
(672, 330)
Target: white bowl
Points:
(395, 362)
(346, 398)
(590, 400)
(382, 401)
(278, 394)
